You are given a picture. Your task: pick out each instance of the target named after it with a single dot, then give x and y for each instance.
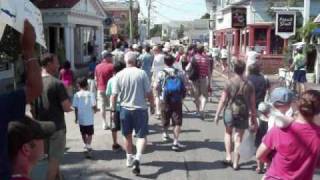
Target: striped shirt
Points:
(203, 65)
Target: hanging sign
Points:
(239, 17)
(285, 24)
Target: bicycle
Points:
(285, 79)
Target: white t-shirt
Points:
(224, 53)
(252, 57)
(158, 64)
(215, 52)
(131, 85)
(84, 101)
(92, 86)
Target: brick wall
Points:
(271, 64)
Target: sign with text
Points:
(239, 17)
(14, 12)
(285, 24)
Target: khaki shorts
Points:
(103, 102)
(200, 87)
(56, 145)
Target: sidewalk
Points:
(274, 80)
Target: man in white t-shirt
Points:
(132, 86)
(157, 66)
(251, 58)
(224, 58)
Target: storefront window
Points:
(84, 44)
(276, 43)
(260, 39)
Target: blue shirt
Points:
(146, 63)
(12, 107)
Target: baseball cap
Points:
(105, 54)
(25, 130)
(281, 95)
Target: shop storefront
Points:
(73, 29)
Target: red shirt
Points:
(104, 72)
(297, 151)
(203, 65)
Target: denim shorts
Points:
(136, 120)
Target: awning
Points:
(316, 32)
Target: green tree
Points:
(135, 30)
(180, 32)
(205, 16)
(156, 30)
(305, 31)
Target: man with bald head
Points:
(132, 86)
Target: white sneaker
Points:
(129, 162)
(105, 126)
(165, 137)
(89, 148)
(181, 146)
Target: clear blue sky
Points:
(166, 10)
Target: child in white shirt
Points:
(84, 103)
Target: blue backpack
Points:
(173, 89)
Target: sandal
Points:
(227, 162)
(236, 168)
(259, 171)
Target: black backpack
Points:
(193, 73)
(238, 108)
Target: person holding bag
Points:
(239, 112)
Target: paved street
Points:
(200, 160)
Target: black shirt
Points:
(48, 105)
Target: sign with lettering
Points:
(285, 24)
(14, 12)
(239, 17)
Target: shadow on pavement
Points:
(104, 155)
(167, 166)
(190, 145)
(157, 129)
(105, 174)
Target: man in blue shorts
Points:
(132, 86)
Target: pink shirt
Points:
(66, 77)
(297, 151)
(104, 72)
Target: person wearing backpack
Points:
(239, 112)
(171, 87)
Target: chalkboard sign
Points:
(286, 23)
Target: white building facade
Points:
(73, 29)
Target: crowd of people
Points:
(126, 83)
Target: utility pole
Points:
(149, 10)
(130, 22)
(306, 12)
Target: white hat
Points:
(135, 46)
